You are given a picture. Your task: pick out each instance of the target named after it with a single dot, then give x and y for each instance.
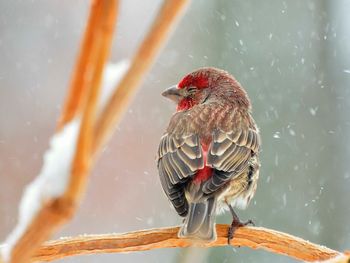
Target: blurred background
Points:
(293, 58)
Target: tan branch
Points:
(140, 65)
(55, 212)
(253, 237)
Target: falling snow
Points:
(313, 111)
(277, 135)
(292, 132)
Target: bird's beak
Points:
(173, 93)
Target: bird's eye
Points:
(191, 90)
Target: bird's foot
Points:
(234, 225)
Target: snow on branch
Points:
(253, 237)
(112, 75)
(52, 181)
(343, 258)
(49, 184)
(54, 176)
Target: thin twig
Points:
(253, 237)
(140, 65)
(56, 212)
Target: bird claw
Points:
(234, 225)
(249, 222)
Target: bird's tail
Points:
(200, 221)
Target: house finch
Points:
(208, 157)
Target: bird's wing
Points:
(229, 155)
(179, 157)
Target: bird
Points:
(208, 157)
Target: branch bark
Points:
(253, 237)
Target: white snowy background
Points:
(293, 57)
